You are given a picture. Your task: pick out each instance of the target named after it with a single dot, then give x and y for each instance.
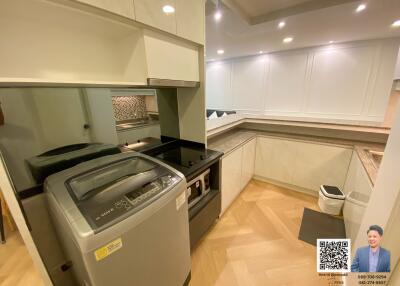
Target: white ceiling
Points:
(339, 23)
(255, 8)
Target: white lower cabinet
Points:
(237, 171)
(275, 159)
(248, 157)
(299, 163)
(231, 178)
(319, 164)
(303, 164)
(357, 188)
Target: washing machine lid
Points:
(332, 192)
(110, 193)
(59, 159)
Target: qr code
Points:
(333, 255)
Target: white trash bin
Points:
(331, 199)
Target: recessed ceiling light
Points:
(287, 40)
(281, 25)
(220, 52)
(331, 42)
(168, 9)
(260, 52)
(361, 7)
(396, 23)
(218, 15)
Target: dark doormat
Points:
(319, 225)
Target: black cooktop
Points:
(183, 156)
(187, 157)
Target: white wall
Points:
(397, 70)
(383, 207)
(349, 82)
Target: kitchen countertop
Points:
(367, 161)
(230, 140)
(221, 125)
(129, 126)
(234, 138)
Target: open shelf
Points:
(44, 43)
(21, 82)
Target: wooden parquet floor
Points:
(16, 265)
(255, 242)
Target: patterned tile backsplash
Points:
(129, 107)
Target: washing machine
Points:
(122, 220)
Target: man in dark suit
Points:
(372, 258)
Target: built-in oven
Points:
(198, 188)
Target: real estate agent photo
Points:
(372, 258)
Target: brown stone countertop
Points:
(370, 164)
(228, 141)
(234, 138)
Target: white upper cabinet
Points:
(150, 12)
(187, 20)
(121, 7)
(170, 59)
(47, 43)
(190, 20)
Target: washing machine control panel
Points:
(132, 201)
(150, 190)
(107, 213)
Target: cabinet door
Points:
(275, 159)
(231, 177)
(318, 164)
(249, 154)
(120, 7)
(177, 61)
(150, 12)
(358, 189)
(190, 20)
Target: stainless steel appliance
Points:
(202, 169)
(198, 188)
(56, 160)
(122, 220)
